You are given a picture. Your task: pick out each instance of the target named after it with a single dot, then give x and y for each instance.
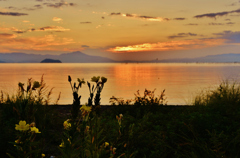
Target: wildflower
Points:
(22, 126)
(106, 144)
(32, 124)
(119, 118)
(95, 79)
(120, 115)
(114, 150)
(69, 140)
(36, 84)
(62, 144)
(43, 155)
(87, 128)
(35, 130)
(17, 141)
(86, 108)
(66, 124)
(20, 85)
(81, 80)
(104, 79)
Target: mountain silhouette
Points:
(74, 57)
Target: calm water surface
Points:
(181, 81)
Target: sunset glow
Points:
(120, 27)
(172, 45)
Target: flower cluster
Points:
(23, 126)
(119, 118)
(66, 124)
(85, 109)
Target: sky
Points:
(121, 29)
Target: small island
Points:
(50, 61)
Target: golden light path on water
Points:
(181, 81)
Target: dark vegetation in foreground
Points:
(142, 127)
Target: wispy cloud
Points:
(172, 45)
(50, 28)
(215, 23)
(192, 24)
(59, 5)
(149, 18)
(13, 13)
(179, 19)
(48, 42)
(181, 35)
(35, 7)
(214, 15)
(84, 46)
(85, 22)
(7, 35)
(230, 36)
(229, 23)
(56, 19)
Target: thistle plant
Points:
(99, 87)
(76, 97)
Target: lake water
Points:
(181, 81)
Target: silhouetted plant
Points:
(120, 101)
(99, 86)
(149, 98)
(76, 97)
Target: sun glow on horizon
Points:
(172, 45)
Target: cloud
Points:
(19, 31)
(13, 13)
(47, 42)
(50, 28)
(7, 35)
(179, 19)
(214, 15)
(35, 7)
(171, 45)
(192, 24)
(230, 36)
(229, 23)
(149, 18)
(56, 19)
(181, 35)
(233, 4)
(59, 5)
(84, 46)
(215, 23)
(86, 22)
(115, 14)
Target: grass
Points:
(142, 127)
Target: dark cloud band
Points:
(12, 13)
(214, 15)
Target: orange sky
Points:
(125, 29)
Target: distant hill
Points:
(74, 57)
(79, 57)
(50, 61)
(220, 58)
